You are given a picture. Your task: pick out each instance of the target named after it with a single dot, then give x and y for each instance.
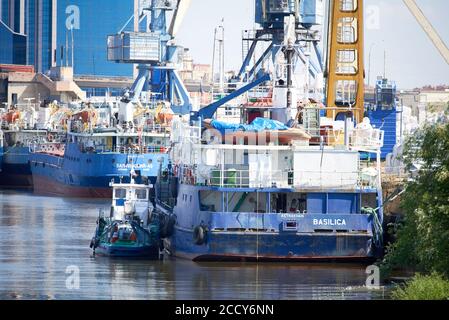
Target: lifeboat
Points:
(12, 116)
(164, 114)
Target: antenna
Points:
(219, 49)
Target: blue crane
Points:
(155, 53)
(284, 25)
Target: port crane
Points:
(152, 47)
(290, 30)
(345, 65)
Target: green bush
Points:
(433, 287)
(422, 241)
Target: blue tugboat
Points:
(131, 230)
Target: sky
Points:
(411, 59)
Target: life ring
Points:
(50, 138)
(199, 235)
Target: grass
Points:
(431, 287)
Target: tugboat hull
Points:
(151, 252)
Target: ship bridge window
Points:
(120, 193)
(210, 200)
(289, 202)
(245, 202)
(141, 194)
(369, 200)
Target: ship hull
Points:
(198, 235)
(16, 176)
(46, 186)
(15, 168)
(107, 250)
(88, 175)
(273, 247)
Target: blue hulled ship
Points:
(85, 164)
(16, 170)
(279, 176)
(23, 126)
(281, 199)
(1, 150)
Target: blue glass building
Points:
(46, 27)
(92, 22)
(12, 37)
(40, 23)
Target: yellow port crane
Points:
(345, 66)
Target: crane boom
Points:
(178, 16)
(428, 28)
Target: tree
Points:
(423, 240)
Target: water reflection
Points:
(40, 237)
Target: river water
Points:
(45, 254)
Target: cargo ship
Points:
(1, 149)
(288, 179)
(16, 171)
(272, 197)
(22, 127)
(86, 163)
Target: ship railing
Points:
(149, 127)
(141, 149)
(306, 180)
(78, 127)
(56, 148)
(335, 180)
(156, 128)
(367, 139)
(127, 149)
